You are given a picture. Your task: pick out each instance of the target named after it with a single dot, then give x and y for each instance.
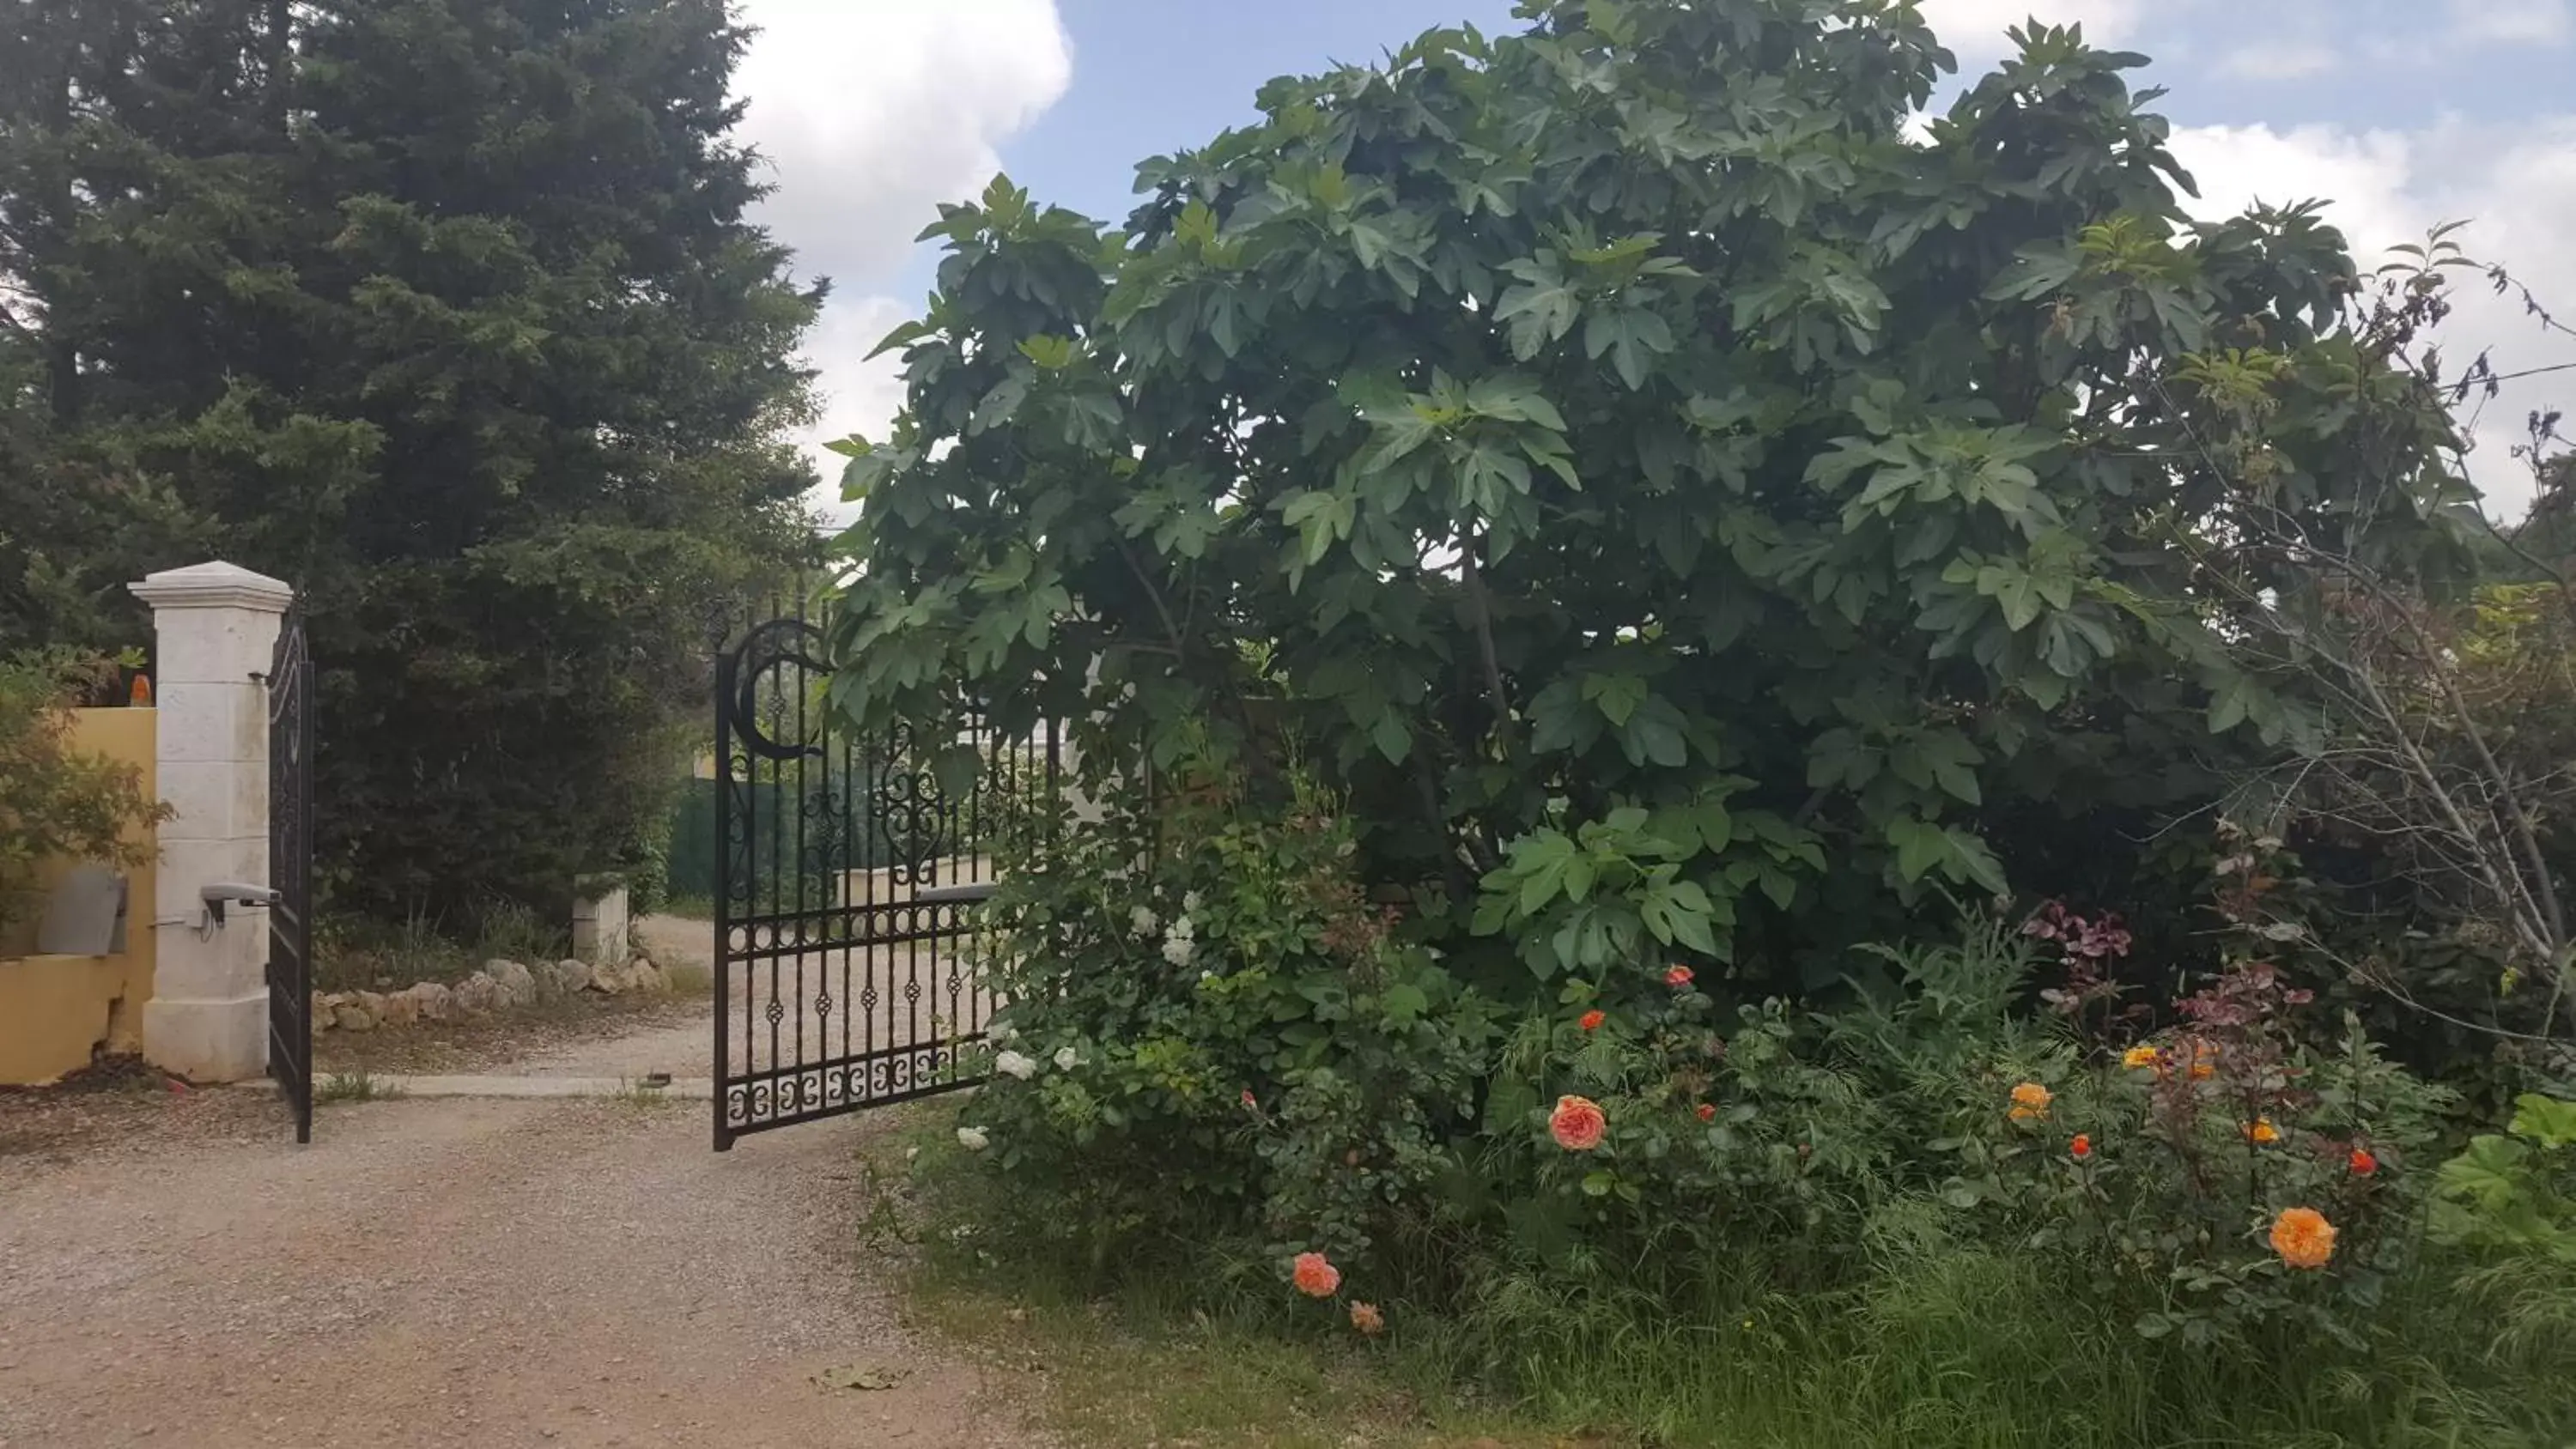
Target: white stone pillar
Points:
(600, 925)
(217, 624)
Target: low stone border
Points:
(498, 986)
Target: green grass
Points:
(1974, 1351)
(1138, 1372)
(352, 954)
(1152, 1362)
(1956, 1349)
(353, 1086)
(643, 1096)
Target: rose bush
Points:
(2240, 1167)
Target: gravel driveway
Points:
(468, 1272)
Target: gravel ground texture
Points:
(174, 1270)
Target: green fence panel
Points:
(839, 841)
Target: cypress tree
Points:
(448, 312)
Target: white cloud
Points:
(2511, 22)
(2364, 173)
(2281, 60)
(2514, 183)
(871, 113)
(1975, 28)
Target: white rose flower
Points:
(973, 1139)
(1179, 949)
(1012, 1064)
(1183, 927)
(1142, 921)
(1190, 903)
(1066, 1059)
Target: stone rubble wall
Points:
(497, 986)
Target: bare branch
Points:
(1483, 606)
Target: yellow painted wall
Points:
(55, 1010)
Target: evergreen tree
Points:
(122, 183)
(446, 311)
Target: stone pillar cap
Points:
(215, 585)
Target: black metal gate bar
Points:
(290, 871)
(845, 878)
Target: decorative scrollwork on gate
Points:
(739, 768)
(776, 645)
(912, 811)
(825, 838)
(890, 1076)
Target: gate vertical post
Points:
(217, 628)
(722, 954)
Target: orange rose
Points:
(1677, 977)
(1591, 1020)
(2261, 1132)
(2303, 1237)
(2204, 1061)
(1315, 1275)
(2030, 1102)
(1366, 1318)
(2362, 1163)
(1577, 1124)
(2082, 1146)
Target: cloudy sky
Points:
(2404, 113)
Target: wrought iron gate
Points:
(290, 871)
(846, 877)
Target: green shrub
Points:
(56, 802)
(1946, 1110)
(2174, 1178)
(1214, 1036)
(646, 869)
(1537, 431)
(2515, 1193)
(1219, 1054)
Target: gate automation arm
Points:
(216, 897)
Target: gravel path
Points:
(460, 1272)
(683, 1047)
